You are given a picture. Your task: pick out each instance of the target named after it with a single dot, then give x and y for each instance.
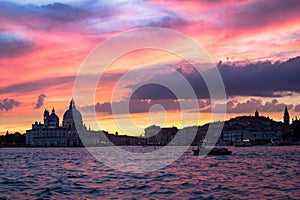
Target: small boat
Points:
(214, 151)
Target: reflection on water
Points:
(255, 172)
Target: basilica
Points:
(52, 134)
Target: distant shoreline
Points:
(26, 146)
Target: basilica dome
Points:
(72, 116)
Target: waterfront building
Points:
(72, 132)
(52, 134)
(258, 129)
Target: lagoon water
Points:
(72, 173)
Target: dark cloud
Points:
(256, 104)
(119, 107)
(251, 105)
(135, 106)
(233, 106)
(141, 106)
(262, 79)
(40, 101)
(61, 12)
(53, 16)
(154, 92)
(47, 82)
(262, 13)
(36, 85)
(8, 104)
(168, 21)
(12, 46)
(55, 11)
(101, 107)
(87, 17)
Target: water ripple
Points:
(72, 173)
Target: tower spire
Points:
(72, 104)
(286, 116)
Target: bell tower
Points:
(46, 117)
(286, 116)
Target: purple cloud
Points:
(55, 11)
(297, 108)
(257, 104)
(8, 104)
(54, 15)
(44, 84)
(140, 106)
(90, 17)
(36, 85)
(262, 79)
(262, 13)
(40, 101)
(169, 21)
(251, 105)
(13, 46)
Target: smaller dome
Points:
(53, 117)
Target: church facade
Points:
(50, 133)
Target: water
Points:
(72, 173)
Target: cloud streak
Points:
(262, 13)
(13, 46)
(92, 17)
(36, 85)
(52, 12)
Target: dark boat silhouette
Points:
(213, 151)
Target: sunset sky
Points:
(43, 44)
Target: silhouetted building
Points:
(258, 130)
(256, 114)
(286, 116)
(52, 121)
(51, 134)
(72, 132)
